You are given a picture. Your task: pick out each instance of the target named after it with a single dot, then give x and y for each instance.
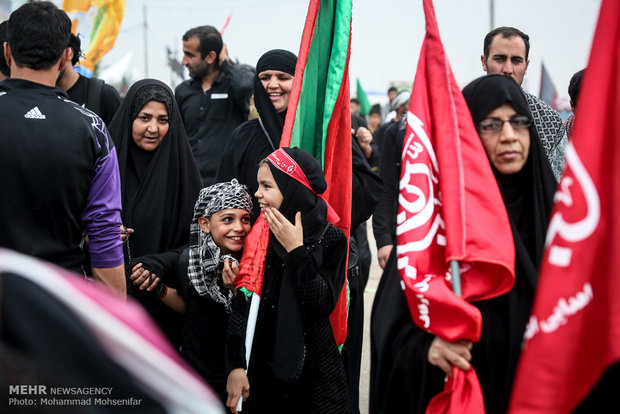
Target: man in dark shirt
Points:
(506, 52)
(58, 166)
(91, 93)
(214, 101)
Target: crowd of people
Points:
(153, 196)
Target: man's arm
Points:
(112, 277)
(101, 219)
(241, 82)
(384, 218)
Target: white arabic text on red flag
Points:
(443, 215)
(574, 332)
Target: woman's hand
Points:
(364, 137)
(237, 386)
(383, 255)
(229, 273)
(125, 232)
(143, 278)
(290, 236)
(444, 354)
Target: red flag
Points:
(254, 256)
(574, 331)
(225, 24)
(450, 208)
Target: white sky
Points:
(387, 35)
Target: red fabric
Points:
(302, 59)
(574, 330)
(283, 162)
(450, 208)
(462, 395)
(252, 266)
(337, 165)
(338, 170)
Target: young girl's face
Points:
(268, 193)
(228, 228)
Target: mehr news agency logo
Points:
(42, 395)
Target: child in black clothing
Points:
(208, 267)
(295, 365)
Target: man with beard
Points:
(506, 52)
(214, 101)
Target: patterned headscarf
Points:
(150, 93)
(204, 254)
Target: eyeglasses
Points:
(492, 125)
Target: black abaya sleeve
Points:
(384, 219)
(235, 336)
(317, 282)
(366, 187)
(162, 264)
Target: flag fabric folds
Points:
(361, 95)
(318, 120)
(574, 331)
(105, 26)
(450, 208)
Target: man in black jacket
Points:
(214, 101)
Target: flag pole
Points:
(249, 337)
(456, 277)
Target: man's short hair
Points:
(210, 39)
(76, 44)
(4, 68)
(506, 32)
(392, 89)
(574, 86)
(38, 34)
(356, 101)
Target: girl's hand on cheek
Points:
(290, 236)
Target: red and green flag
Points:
(319, 115)
(318, 120)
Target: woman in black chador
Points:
(159, 185)
(295, 365)
(405, 360)
(257, 138)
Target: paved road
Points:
(369, 295)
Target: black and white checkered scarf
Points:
(204, 254)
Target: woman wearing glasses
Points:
(526, 182)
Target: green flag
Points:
(361, 95)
